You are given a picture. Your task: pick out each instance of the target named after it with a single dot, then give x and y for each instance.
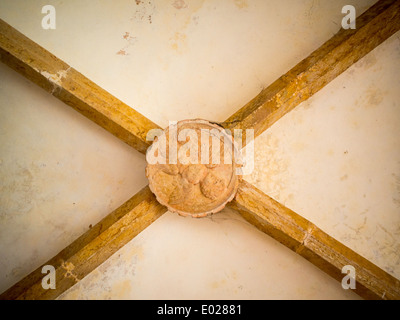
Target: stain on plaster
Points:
(241, 4)
(113, 279)
(374, 96)
(179, 42)
(270, 166)
(17, 195)
(143, 10)
(396, 196)
(218, 284)
(122, 52)
(367, 62)
(130, 41)
(310, 13)
(179, 4)
(178, 22)
(386, 246)
(121, 289)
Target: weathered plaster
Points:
(60, 173)
(217, 257)
(335, 159)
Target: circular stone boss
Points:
(194, 186)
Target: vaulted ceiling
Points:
(333, 160)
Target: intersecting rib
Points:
(55, 76)
(303, 237)
(91, 249)
(309, 76)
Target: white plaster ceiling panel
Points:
(217, 257)
(335, 159)
(173, 59)
(60, 173)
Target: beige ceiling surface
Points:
(175, 59)
(334, 160)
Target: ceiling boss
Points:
(194, 167)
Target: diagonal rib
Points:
(303, 237)
(62, 81)
(313, 73)
(92, 248)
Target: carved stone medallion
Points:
(192, 168)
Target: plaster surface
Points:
(217, 257)
(174, 60)
(60, 174)
(335, 159)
